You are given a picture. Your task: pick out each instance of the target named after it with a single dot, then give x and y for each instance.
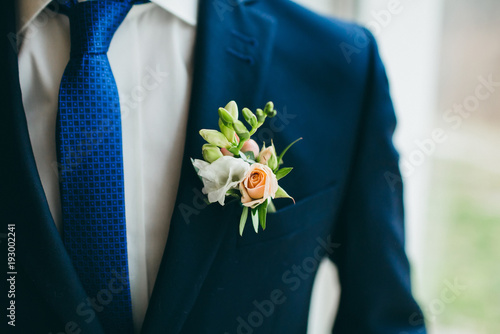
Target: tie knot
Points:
(93, 24)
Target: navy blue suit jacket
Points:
(329, 86)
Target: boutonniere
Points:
(233, 165)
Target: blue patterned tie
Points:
(89, 143)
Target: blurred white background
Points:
(438, 55)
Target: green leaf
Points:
(243, 219)
(281, 173)
(246, 158)
(234, 193)
(270, 206)
(280, 158)
(249, 155)
(255, 220)
(281, 193)
(262, 214)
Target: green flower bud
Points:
(261, 116)
(244, 136)
(227, 131)
(268, 108)
(214, 137)
(241, 131)
(210, 152)
(232, 108)
(273, 162)
(250, 117)
(225, 116)
(272, 114)
(240, 128)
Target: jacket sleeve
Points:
(373, 268)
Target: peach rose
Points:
(258, 184)
(251, 146)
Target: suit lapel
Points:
(233, 50)
(40, 252)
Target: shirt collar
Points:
(186, 10)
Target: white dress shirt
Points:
(151, 58)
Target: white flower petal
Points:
(199, 164)
(218, 177)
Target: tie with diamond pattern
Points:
(89, 144)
